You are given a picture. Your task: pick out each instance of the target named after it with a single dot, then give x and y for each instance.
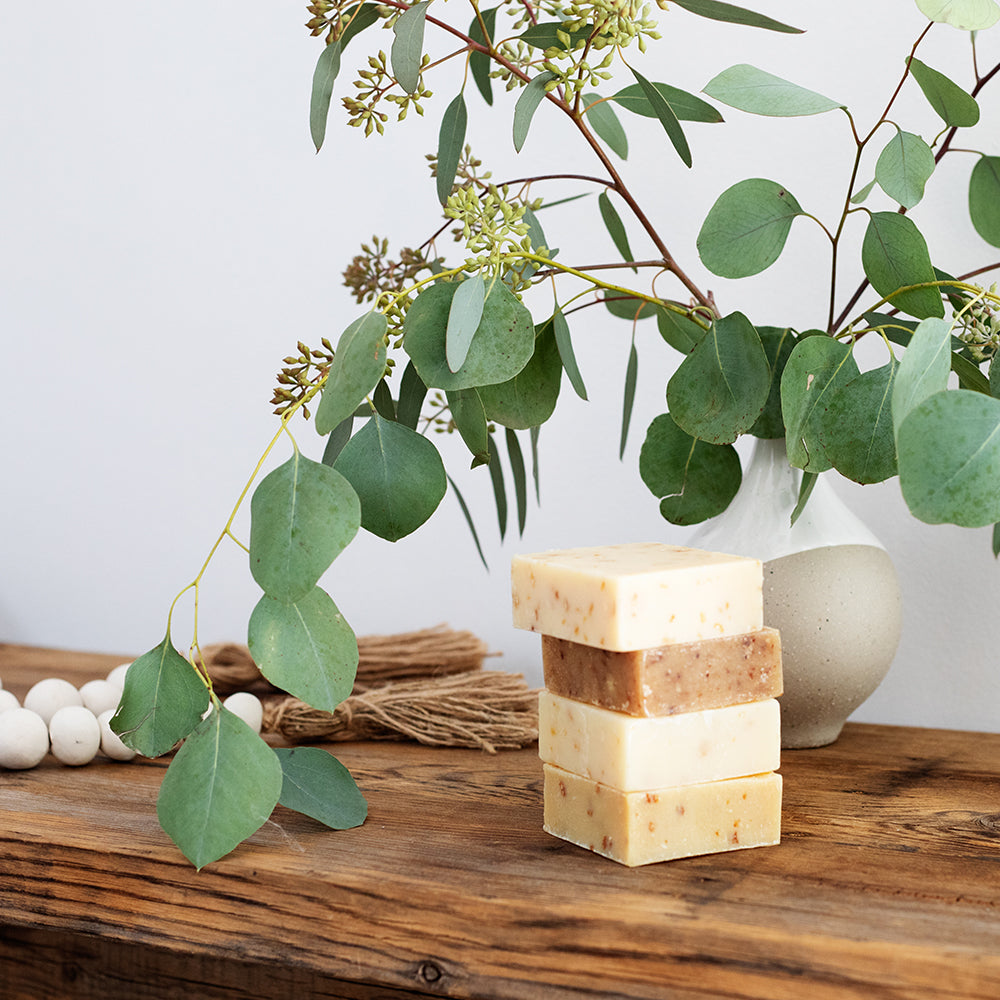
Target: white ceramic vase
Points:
(830, 588)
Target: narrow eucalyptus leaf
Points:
(856, 427)
(412, 393)
(969, 375)
(408, 46)
(694, 480)
(950, 101)
(519, 476)
(924, 369)
(760, 93)
(666, 117)
(628, 396)
(339, 436)
(479, 62)
(984, 198)
(464, 314)
(861, 194)
(527, 105)
(324, 76)
(615, 227)
(305, 647)
(219, 789)
(533, 434)
(949, 459)
(382, 400)
(904, 166)
(746, 229)
(499, 489)
(732, 14)
(162, 701)
(398, 475)
(719, 390)
(996, 540)
(805, 492)
(468, 519)
(470, 419)
(894, 256)
(546, 35)
(605, 123)
(358, 364)
(966, 15)
(564, 343)
(451, 139)
(687, 107)
(778, 342)
(317, 785)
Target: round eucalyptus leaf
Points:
(305, 647)
(397, 474)
(904, 166)
(950, 101)
(358, 364)
(302, 516)
(966, 15)
(856, 427)
(501, 347)
(694, 480)
(746, 229)
(894, 255)
(720, 388)
(924, 369)
(220, 788)
(984, 198)
(316, 784)
(750, 89)
(529, 398)
(949, 459)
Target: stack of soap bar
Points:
(658, 729)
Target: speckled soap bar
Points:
(636, 596)
(681, 677)
(640, 828)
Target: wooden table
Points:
(886, 884)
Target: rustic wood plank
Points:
(887, 882)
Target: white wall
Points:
(168, 235)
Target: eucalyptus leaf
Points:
(358, 364)
(861, 194)
(969, 375)
(949, 459)
(412, 393)
(761, 93)
(466, 513)
(316, 784)
(502, 346)
(955, 107)
(615, 227)
(305, 647)
(778, 342)
(464, 314)
(533, 436)
(470, 420)
(719, 390)
(546, 35)
(220, 788)
(687, 107)
(732, 14)
(628, 307)
(680, 332)
(904, 166)
(817, 367)
(857, 428)
(302, 516)
(994, 376)
(564, 343)
(984, 198)
(518, 474)
(806, 487)
(894, 255)
(479, 62)
(527, 105)
(529, 398)
(499, 488)
(746, 229)
(666, 117)
(382, 400)
(408, 46)
(451, 139)
(162, 701)
(628, 395)
(605, 123)
(924, 369)
(967, 15)
(336, 440)
(694, 480)
(397, 474)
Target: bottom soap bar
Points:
(639, 828)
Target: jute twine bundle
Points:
(427, 686)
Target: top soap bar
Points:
(635, 596)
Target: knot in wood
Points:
(430, 972)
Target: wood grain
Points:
(886, 884)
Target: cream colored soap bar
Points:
(639, 828)
(636, 596)
(638, 754)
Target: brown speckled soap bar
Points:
(664, 680)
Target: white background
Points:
(168, 234)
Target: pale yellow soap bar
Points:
(638, 754)
(639, 828)
(636, 596)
